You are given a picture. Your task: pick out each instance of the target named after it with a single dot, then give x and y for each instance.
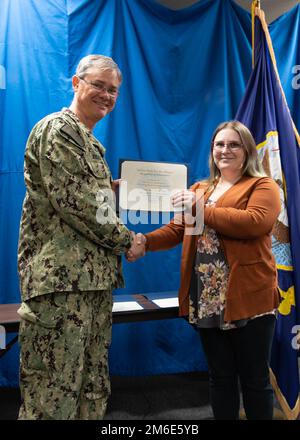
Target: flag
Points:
(265, 112)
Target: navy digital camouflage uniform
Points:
(69, 261)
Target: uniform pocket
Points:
(97, 168)
(46, 310)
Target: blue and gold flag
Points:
(265, 112)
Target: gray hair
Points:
(252, 166)
(100, 61)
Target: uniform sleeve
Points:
(79, 190)
(257, 219)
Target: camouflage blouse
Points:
(70, 236)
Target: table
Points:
(123, 311)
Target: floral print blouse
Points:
(209, 283)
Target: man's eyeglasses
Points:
(233, 146)
(100, 87)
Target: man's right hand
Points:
(138, 248)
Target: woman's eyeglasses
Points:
(232, 146)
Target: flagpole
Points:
(256, 11)
(254, 6)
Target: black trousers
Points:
(240, 355)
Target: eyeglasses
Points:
(232, 146)
(100, 87)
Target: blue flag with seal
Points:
(265, 112)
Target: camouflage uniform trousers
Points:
(64, 356)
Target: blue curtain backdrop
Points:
(285, 34)
(184, 72)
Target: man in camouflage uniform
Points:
(69, 247)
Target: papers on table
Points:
(166, 302)
(124, 306)
(128, 303)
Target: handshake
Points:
(138, 247)
(183, 199)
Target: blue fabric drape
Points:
(184, 72)
(286, 43)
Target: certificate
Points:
(148, 186)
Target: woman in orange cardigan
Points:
(228, 284)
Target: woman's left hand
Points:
(183, 199)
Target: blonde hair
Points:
(252, 165)
(100, 61)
